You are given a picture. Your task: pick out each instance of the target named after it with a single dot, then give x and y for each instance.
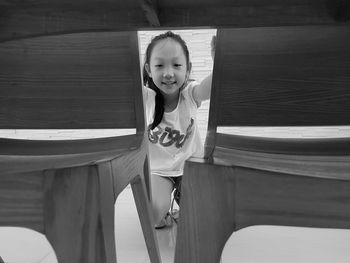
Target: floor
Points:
(274, 244)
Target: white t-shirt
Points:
(177, 137)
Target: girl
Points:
(171, 102)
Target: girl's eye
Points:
(177, 65)
(158, 66)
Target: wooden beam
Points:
(18, 20)
(149, 8)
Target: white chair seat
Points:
(282, 244)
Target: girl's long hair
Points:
(147, 80)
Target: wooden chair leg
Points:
(107, 202)
(73, 222)
(205, 221)
(144, 211)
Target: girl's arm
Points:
(202, 91)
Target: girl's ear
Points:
(148, 69)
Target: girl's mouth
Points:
(169, 83)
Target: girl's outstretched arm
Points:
(202, 91)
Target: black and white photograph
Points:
(188, 131)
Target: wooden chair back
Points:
(280, 76)
(71, 81)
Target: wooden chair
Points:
(273, 76)
(66, 189)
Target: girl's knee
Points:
(160, 208)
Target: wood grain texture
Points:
(282, 199)
(132, 168)
(296, 146)
(204, 225)
(336, 167)
(325, 158)
(130, 165)
(74, 206)
(150, 8)
(34, 155)
(107, 201)
(146, 219)
(218, 199)
(83, 80)
(75, 228)
(282, 76)
(21, 200)
(23, 147)
(21, 19)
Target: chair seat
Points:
(269, 244)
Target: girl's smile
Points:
(169, 85)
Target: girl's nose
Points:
(168, 73)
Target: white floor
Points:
(274, 244)
(26, 246)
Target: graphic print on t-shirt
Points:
(168, 136)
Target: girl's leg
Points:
(177, 187)
(161, 188)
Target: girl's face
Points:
(168, 66)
